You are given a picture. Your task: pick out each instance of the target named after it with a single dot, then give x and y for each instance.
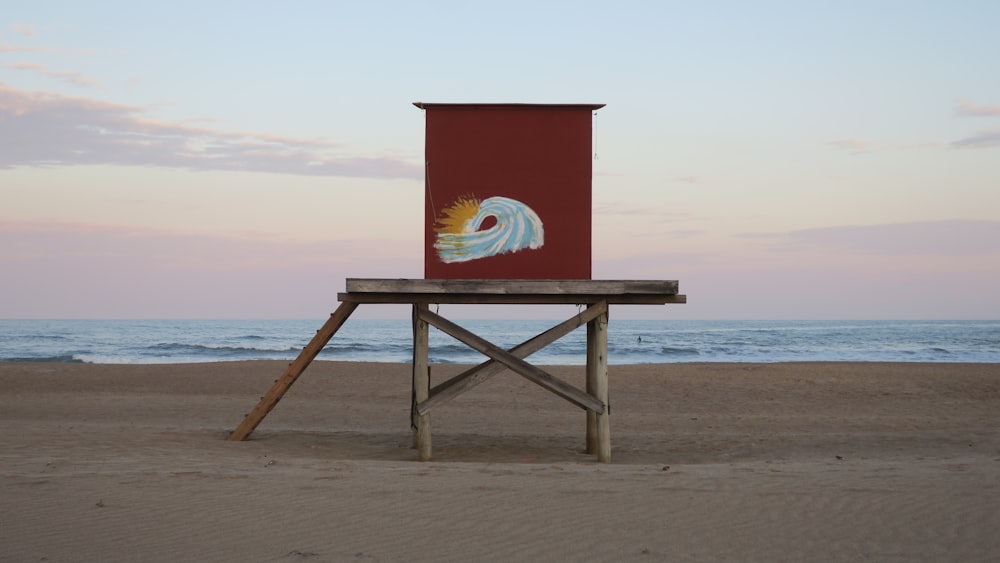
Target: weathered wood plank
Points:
(513, 287)
(591, 386)
(532, 373)
(421, 383)
(294, 370)
(598, 426)
(482, 372)
(510, 299)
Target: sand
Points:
(711, 462)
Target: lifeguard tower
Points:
(507, 220)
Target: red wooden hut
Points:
(508, 191)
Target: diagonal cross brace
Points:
(532, 373)
(482, 372)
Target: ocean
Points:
(629, 341)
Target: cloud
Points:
(620, 209)
(981, 140)
(159, 249)
(49, 129)
(855, 145)
(23, 49)
(859, 146)
(689, 179)
(77, 78)
(685, 233)
(931, 238)
(26, 30)
(657, 212)
(968, 108)
(94, 271)
(989, 138)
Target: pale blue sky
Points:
(240, 159)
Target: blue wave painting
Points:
(461, 236)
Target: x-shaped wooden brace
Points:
(593, 400)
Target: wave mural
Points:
(465, 232)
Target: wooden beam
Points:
(533, 373)
(598, 423)
(478, 374)
(513, 287)
(591, 386)
(294, 370)
(511, 299)
(421, 383)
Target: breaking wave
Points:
(517, 227)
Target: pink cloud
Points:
(823, 274)
(981, 140)
(858, 146)
(50, 129)
(931, 238)
(26, 30)
(76, 78)
(647, 210)
(72, 270)
(92, 271)
(23, 49)
(855, 145)
(968, 108)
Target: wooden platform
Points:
(514, 292)
(595, 295)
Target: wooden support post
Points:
(591, 388)
(421, 382)
(598, 423)
(294, 370)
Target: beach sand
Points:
(710, 462)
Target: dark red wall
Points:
(539, 155)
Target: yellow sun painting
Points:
(456, 217)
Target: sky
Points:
(781, 160)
